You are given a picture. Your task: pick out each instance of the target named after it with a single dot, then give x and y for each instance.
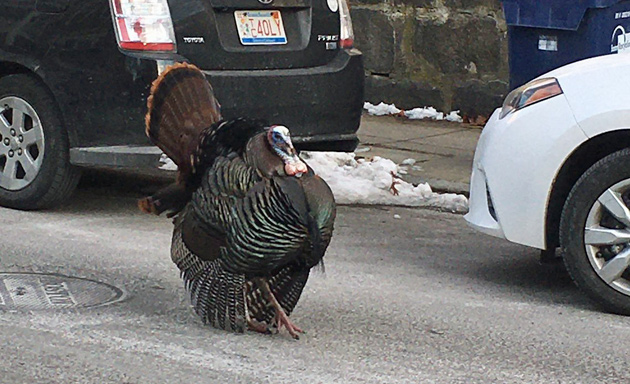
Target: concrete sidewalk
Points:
(443, 151)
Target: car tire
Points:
(35, 171)
(595, 230)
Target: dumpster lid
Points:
(552, 14)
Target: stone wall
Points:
(449, 54)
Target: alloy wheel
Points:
(607, 236)
(21, 143)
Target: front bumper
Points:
(481, 211)
(516, 162)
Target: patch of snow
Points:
(415, 113)
(363, 181)
(369, 182)
(381, 109)
(408, 162)
(362, 149)
(424, 113)
(454, 117)
(167, 163)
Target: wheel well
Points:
(578, 162)
(9, 68)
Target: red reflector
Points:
(139, 46)
(346, 43)
(117, 7)
(123, 30)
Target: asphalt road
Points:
(408, 296)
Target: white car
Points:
(552, 169)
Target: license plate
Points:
(260, 27)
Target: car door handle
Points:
(51, 6)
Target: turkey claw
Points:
(282, 320)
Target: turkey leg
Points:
(281, 317)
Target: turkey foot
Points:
(283, 320)
(257, 327)
(281, 316)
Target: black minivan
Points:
(75, 75)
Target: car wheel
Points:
(35, 171)
(595, 232)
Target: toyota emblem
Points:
(265, 1)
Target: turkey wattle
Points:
(251, 218)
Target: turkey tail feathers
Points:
(216, 295)
(181, 105)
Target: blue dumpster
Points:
(543, 35)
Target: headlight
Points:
(530, 93)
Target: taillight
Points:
(143, 25)
(346, 35)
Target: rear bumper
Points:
(321, 105)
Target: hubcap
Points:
(21, 143)
(607, 236)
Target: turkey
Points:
(251, 219)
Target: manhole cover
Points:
(35, 291)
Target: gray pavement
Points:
(443, 150)
(409, 296)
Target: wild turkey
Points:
(251, 218)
